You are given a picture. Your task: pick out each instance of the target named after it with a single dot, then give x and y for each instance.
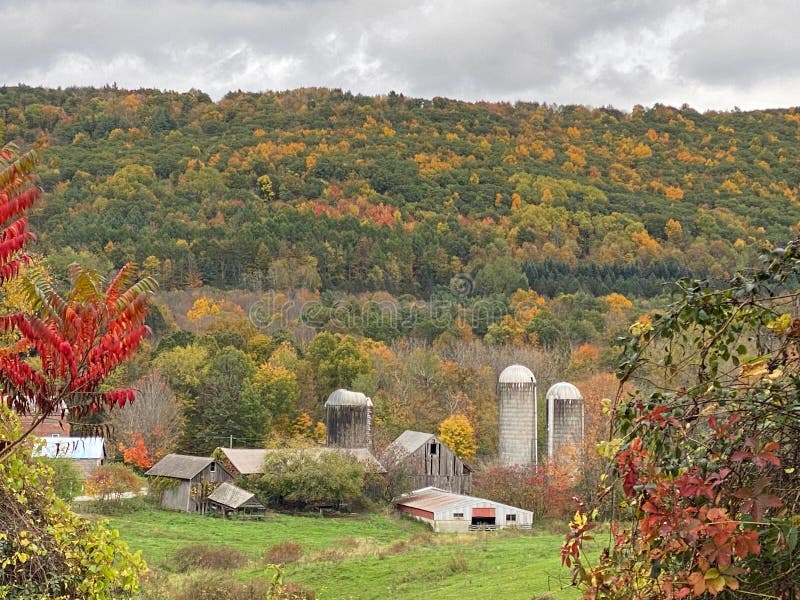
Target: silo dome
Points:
(516, 374)
(564, 391)
(342, 397)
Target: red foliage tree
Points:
(65, 351)
(137, 455)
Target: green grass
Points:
(373, 556)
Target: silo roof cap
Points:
(516, 374)
(343, 397)
(563, 391)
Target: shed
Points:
(185, 482)
(448, 512)
(229, 499)
(86, 453)
(426, 461)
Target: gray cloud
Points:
(711, 54)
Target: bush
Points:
(284, 553)
(67, 481)
(110, 481)
(298, 479)
(205, 586)
(200, 556)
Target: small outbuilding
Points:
(86, 453)
(230, 500)
(447, 512)
(426, 461)
(185, 482)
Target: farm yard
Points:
(372, 556)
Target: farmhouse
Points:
(86, 453)
(425, 461)
(448, 512)
(185, 482)
(229, 499)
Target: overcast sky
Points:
(713, 54)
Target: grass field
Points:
(372, 556)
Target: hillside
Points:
(322, 189)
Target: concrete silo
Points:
(564, 417)
(516, 390)
(348, 418)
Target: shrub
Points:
(200, 556)
(110, 481)
(205, 586)
(284, 553)
(67, 481)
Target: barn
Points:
(241, 462)
(86, 453)
(185, 482)
(447, 512)
(426, 461)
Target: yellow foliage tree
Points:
(457, 433)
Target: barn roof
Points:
(516, 374)
(409, 441)
(180, 466)
(563, 391)
(248, 461)
(342, 397)
(233, 496)
(76, 448)
(434, 500)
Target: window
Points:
(458, 515)
(511, 518)
(433, 448)
(213, 468)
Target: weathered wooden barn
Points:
(185, 482)
(448, 512)
(426, 461)
(250, 461)
(86, 453)
(232, 501)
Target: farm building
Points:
(250, 461)
(564, 417)
(86, 453)
(448, 512)
(230, 500)
(517, 399)
(426, 461)
(348, 419)
(185, 482)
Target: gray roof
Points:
(248, 461)
(516, 374)
(180, 466)
(343, 397)
(433, 499)
(409, 441)
(232, 496)
(563, 391)
(362, 455)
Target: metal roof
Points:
(432, 499)
(232, 496)
(76, 448)
(180, 466)
(343, 397)
(516, 374)
(408, 442)
(563, 391)
(248, 461)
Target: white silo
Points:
(564, 417)
(516, 390)
(348, 418)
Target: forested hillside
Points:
(414, 233)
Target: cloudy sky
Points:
(711, 54)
